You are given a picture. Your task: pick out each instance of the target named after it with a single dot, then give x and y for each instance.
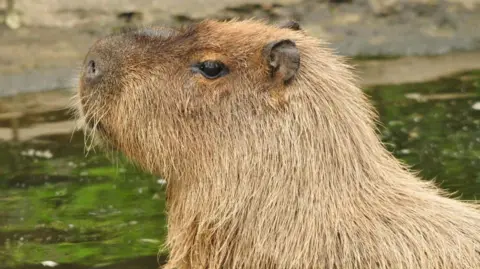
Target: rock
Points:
(12, 20)
(468, 4)
(347, 19)
(378, 40)
(476, 106)
(387, 7)
(61, 13)
(410, 27)
(383, 7)
(49, 263)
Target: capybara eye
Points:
(211, 69)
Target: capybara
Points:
(270, 151)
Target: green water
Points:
(83, 212)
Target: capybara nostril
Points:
(93, 70)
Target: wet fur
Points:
(263, 174)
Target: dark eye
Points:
(211, 69)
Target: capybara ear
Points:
(283, 59)
(292, 25)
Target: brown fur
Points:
(265, 174)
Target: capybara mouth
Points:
(89, 111)
(96, 125)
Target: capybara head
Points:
(160, 94)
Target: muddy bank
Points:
(355, 27)
(56, 34)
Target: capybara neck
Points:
(270, 153)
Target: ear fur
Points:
(291, 24)
(283, 59)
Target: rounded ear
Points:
(283, 59)
(292, 25)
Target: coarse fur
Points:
(267, 173)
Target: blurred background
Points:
(418, 60)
